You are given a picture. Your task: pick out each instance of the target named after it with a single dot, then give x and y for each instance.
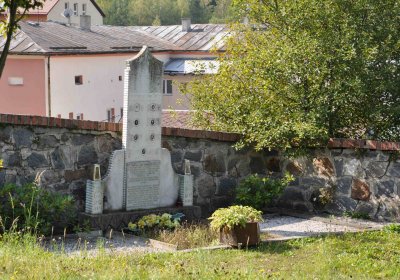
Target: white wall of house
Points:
(55, 13)
(101, 90)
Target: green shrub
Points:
(356, 215)
(392, 228)
(326, 195)
(237, 215)
(35, 209)
(155, 222)
(258, 192)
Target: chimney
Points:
(186, 24)
(85, 22)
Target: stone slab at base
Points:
(119, 220)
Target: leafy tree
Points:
(167, 11)
(308, 70)
(16, 10)
(200, 12)
(164, 12)
(223, 11)
(118, 13)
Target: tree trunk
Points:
(9, 34)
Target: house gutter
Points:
(48, 87)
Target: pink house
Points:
(77, 72)
(23, 88)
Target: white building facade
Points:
(78, 8)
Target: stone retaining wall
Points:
(63, 157)
(361, 181)
(350, 175)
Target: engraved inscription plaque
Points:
(143, 184)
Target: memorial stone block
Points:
(141, 176)
(142, 136)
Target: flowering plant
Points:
(153, 221)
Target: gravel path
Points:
(90, 246)
(293, 227)
(277, 227)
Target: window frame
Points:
(78, 80)
(166, 84)
(76, 9)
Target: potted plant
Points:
(238, 225)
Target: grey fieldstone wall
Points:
(330, 180)
(358, 181)
(64, 158)
(218, 168)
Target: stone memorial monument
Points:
(140, 176)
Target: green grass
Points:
(189, 236)
(369, 255)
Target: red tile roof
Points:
(47, 7)
(177, 119)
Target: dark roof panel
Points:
(53, 37)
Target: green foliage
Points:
(15, 11)
(356, 215)
(165, 12)
(223, 12)
(237, 215)
(308, 70)
(82, 227)
(155, 222)
(392, 228)
(35, 209)
(258, 192)
(189, 236)
(326, 195)
(366, 255)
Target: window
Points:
(83, 9)
(16, 81)
(120, 78)
(66, 5)
(167, 87)
(78, 80)
(75, 9)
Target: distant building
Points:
(78, 72)
(53, 10)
